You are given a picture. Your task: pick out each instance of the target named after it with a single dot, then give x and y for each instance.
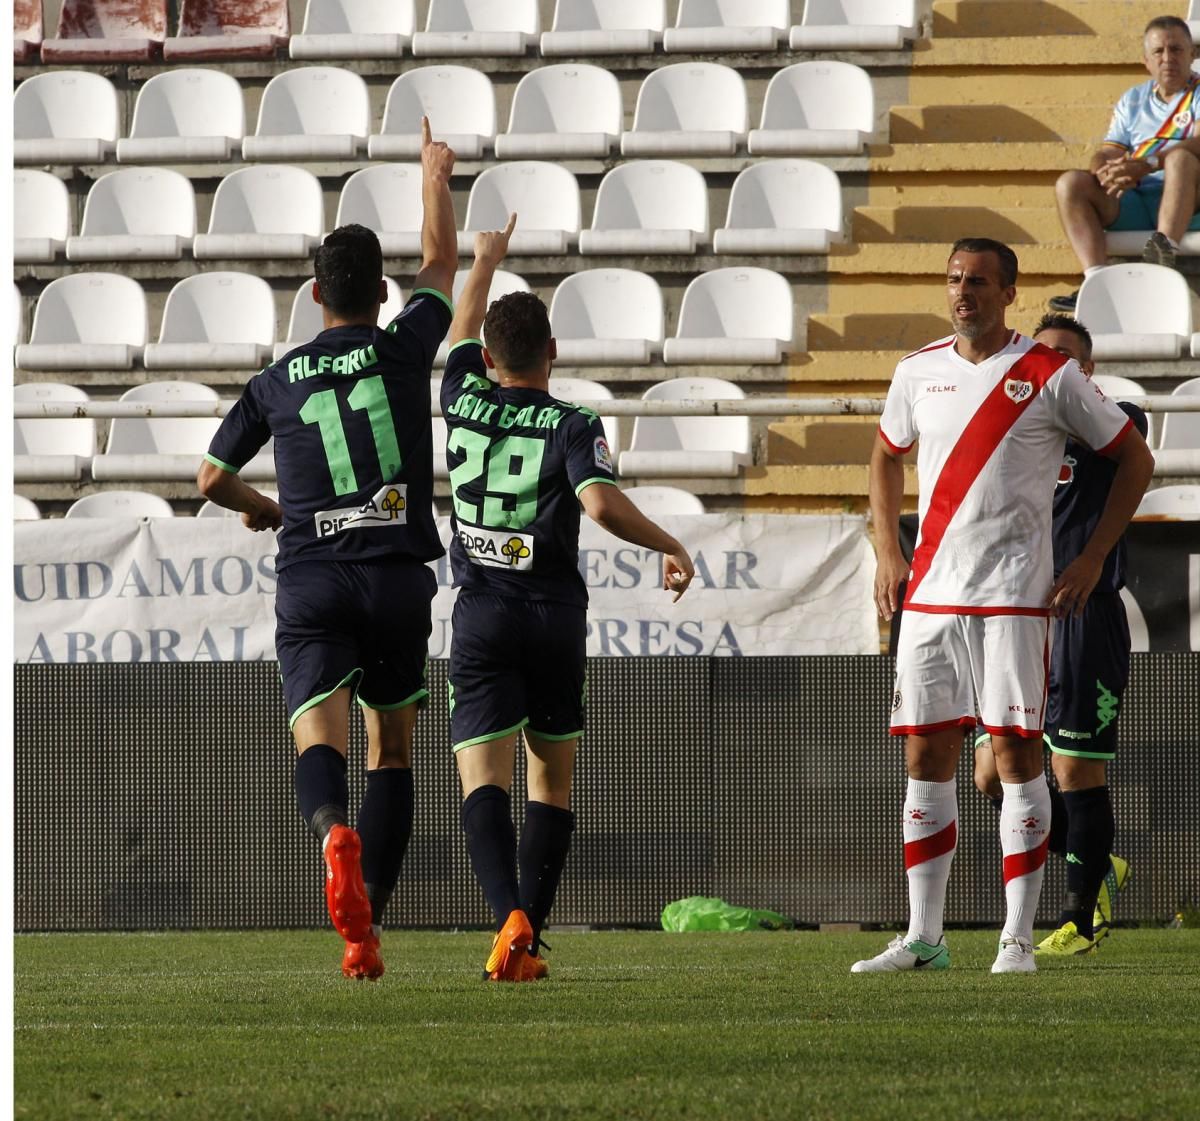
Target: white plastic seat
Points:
(311, 113)
(215, 320)
(1136, 312)
(855, 25)
(120, 504)
(1182, 430)
(47, 449)
(185, 115)
(728, 25)
(18, 316)
(1179, 502)
(689, 109)
(136, 213)
(544, 195)
(591, 27)
(41, 216)
(28, 30)
(656, 501)
(648, 206)
(354, 29)
(272, 210)
(733, 315)
(306, 321)
(782, 206)
(665, 447)
(822, 108)
(478, 27)
(1193, 19)
(566, 111)
(107, 31)
(1126, 389)
(65, 116)
(459, 102)
(607, 317)
(25, 509)
(386, 199)
(503, 282)
(580, 390)
(87, 321)
(229, 29)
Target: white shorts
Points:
(950, 667)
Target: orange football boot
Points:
(362, 960)
(506, 962)
(345, 893)
(534, 968)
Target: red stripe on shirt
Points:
(927, 349)
(1022, 863)
(1111, 446)
(975, 447)
(930, 848)
(897, 450)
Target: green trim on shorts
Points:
(221, 464)
(556, 739)
(434, 292)
(588, 482)
(1105, 756)
(465, 342)
(491, 736)
(322, 696)
(984, 739)
(422, 692)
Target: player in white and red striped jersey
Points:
(990, 410)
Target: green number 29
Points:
(322, 410)
(513, 465)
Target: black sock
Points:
(321, 789)
(1090, 833)
(492, 843)
(545, 841)
(1059, 820)
(385, 824)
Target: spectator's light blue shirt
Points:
(1139, 115)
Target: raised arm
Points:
(439, 240)
(490, 248)
(226, 489)
(887, 492)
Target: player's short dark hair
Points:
(1007, 258)
(1167, 23)
(516, 331)
(1057, 322)
(349, 269)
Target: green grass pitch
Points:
(629, 1025)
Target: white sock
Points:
(930, 837)
(1024, 837)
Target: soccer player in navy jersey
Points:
(1088, 673)
(521, 464)
(350, 419)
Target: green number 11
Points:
(322, 410)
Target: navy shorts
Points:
(1088, 671)
(359, 624)
(515, 664)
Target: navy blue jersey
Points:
(349, 413)
(1083, 485)
(518, 459)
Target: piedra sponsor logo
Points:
(386, 508)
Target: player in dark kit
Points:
(521, 463)
(1088, 673)
(349, 415)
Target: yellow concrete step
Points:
(839, 481)
(842, 373)
(1029, 51)
(959, 158)
(1016, 190)
(926, 224)
(825, 441)
(1002, 18)
(908, 259)
(972, 84)
(998, 124)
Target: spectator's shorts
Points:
(1139, 209)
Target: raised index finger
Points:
(512, 225)
(426, 134)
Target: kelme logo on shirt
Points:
(386, 508)
(1016, 390)
(497, 548)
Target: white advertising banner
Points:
(188, 589)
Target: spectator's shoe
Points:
(361, 959)
(512, 944)
(534, 968)
(1066, 941)
(1115, 881)
(1065, 304)
(1015, 956)
(345, 894)
(901, 955)
(1159, 251)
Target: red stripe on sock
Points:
(930, 848)
(1022, 863)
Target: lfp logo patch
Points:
(1018, 391)
(603, 454)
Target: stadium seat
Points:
(120, 504)
(1193, 19)
(689, 109)
(137, 213)
(728, 25)
(211, 29)
(607, 317)
(484, 28)
(25, 509)
(311, 113)
(49, 449)
(28, 30)
(544, 195)
(591, 27)
(1136, 312)
(1126, 389)
(733, 315)
(18, 316)
(215, 320)
(855, 25)
(665, 447)
(273, 210)
(354, 29)
(459, 102)
(503, 282)
(1181, 501)
(578, 390)
(306, 321)
(648, 206)
(87, 321)
(1182, 430)
(782, 206)
(185, 115)
(386, 199)
(656, 501)
(821, 108)
(107, 31)
(65, 116)
(565, 111)
(41, 216)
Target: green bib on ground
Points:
(701, 912)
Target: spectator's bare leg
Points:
(1181, 182)
(1084, 210)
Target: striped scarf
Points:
(1177, 126)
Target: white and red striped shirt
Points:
(991, 443)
